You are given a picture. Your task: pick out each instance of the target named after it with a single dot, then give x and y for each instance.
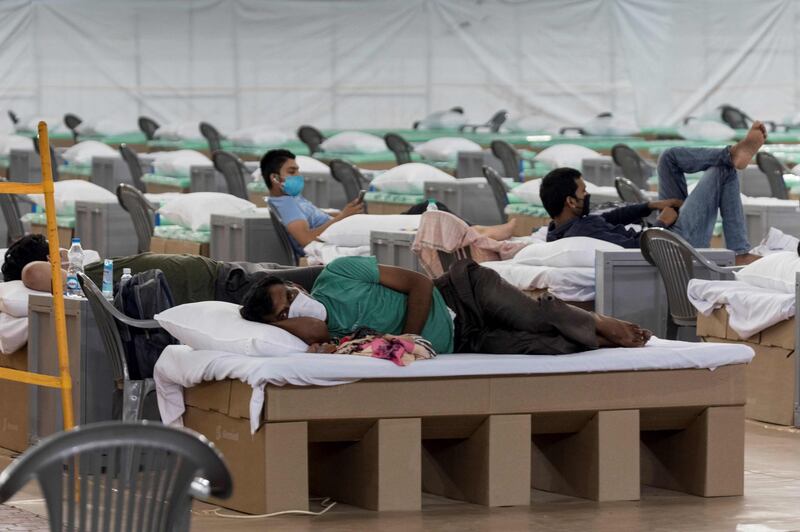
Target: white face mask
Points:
(308, 307)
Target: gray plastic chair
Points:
(233, 170)
(53, 158)
(493, 124)
(350, 178)
(508, 155)
(72, 122)
(449, 258)
(628, 192)
(674, 258)
(774, 170)
(107, 317)
(401, 148)
(11, 215)
(634, 168)
(738, 119)
(113, 476)
(148, 126)
(134, 166)
(311, 137)
(142, 214)
(212, 136)
(283, 236)
(499, 190)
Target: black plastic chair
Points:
(53, 158)
(13, 116)
(628, 192)
(738, 119)
(148, 126)
(114, 476)
(10, 207)
(401, 148)
(449, 258)
(350, 178)
(212, 136)
(283, 236)
(108, 319)
(674, 258)
(233, 170)
(142, 214)
(134, 166)
(499, 190)
(72, 122)
(311, 137)
(508, 155)
(634, 168)
(493, 124)
(774, 170)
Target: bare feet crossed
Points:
(743, 151)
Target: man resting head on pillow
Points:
(470, 309)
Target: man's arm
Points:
(310, 330)
(419, 292)
(304, 235)
(629, 214)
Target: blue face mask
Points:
(293, 185)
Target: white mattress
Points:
(569, 284)
(751, 309)
(181, 366)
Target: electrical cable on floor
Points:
(326, 504)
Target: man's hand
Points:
(660, 205)
(354, 207)
(668, 216)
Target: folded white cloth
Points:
(776, 240)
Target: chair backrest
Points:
(350, 178)
(734, 117)
(401, 148)
(631, 164)
(508, 155)
(212, 136)
(672, 256)
(53, 159)
(311, 137)
(134, 166)
(142, 214)
(13, 116)
(449, 258)
(499, 190)
(148, 127)
(11, 215)
(283, 235)
(72, 121)
(233, 170)
(628, 192)
(113, 476)
(774, 170)
(497, 120)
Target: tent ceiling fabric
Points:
(355, 63)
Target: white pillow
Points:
(194, 210)
(610, 126)
(528, 192)
(699, 129)
(528, 123)
(354, 230)
(218, 326)
(82, 152)
(13, 333)
(354, 142)
(14, 142)
(574, 251)
(446, 148)
(179, 163)
(14, 298)
(570, 155)
(31, 123)
(443, 120)
(259, 136)
(409, 178)
(66, 193)
(776, 272)
(178, 131)
(104, 126)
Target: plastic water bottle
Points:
(108, 279)
(432, 205)
(126, 276)
(75, 258)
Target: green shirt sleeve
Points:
(364, 269)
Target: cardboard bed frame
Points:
(379, 443)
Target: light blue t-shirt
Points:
(293, 208)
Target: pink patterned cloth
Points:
(402, 350)
(442, 231)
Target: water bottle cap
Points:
(126, 271)
(108, 262)
(76, 240)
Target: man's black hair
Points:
(27, 249)
(257, 303)
(556, 187)
(271, 163)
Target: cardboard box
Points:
(379, 207)
(14, 404)
(717, 325)
(65, 234)
(179, 247)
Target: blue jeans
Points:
(718, 190)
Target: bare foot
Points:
(743, 151)
(498, 232)
(747, 258)
(621, 333)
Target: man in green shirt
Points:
(469, 309)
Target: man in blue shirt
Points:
(564, 196)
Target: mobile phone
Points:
(361, 196)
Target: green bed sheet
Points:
(40, 218)
(170, 181)
(176, 232)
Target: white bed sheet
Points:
(181, 366)
(320, 253)
(569, 284)
(13, 333)
(751, 309)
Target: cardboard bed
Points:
(485, 437)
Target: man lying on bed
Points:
(305, 221)
(564, 196)
(470, 309)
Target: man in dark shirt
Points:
(564, 196)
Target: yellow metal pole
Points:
(55, 269)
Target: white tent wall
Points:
(386, 63)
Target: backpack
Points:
(146, 294)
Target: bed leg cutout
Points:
(490, 467)
(706, 458)
(379, 472)
(286, 464)
(599, 462)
